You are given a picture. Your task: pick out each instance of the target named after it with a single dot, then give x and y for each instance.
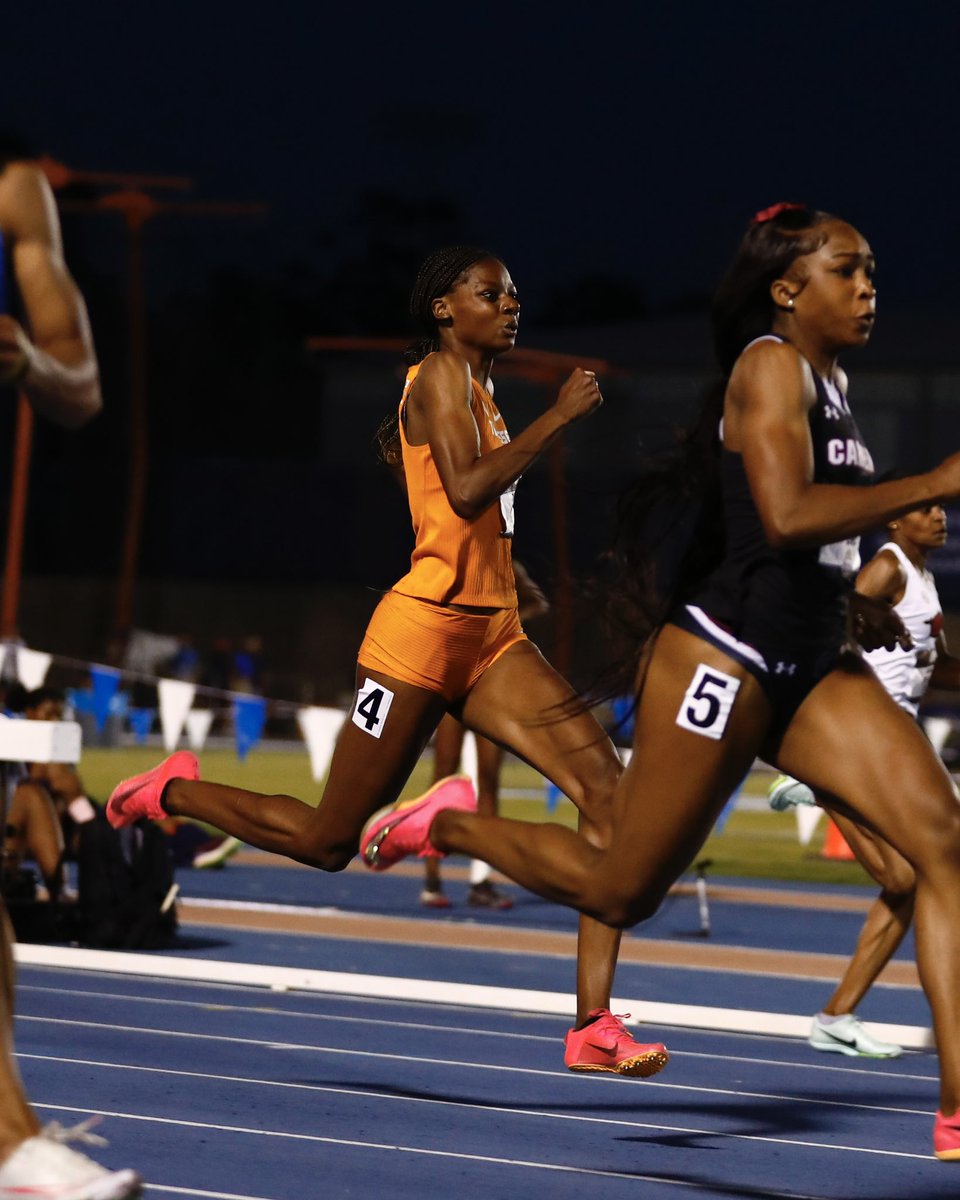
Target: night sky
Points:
(582, 139)
(608, 150)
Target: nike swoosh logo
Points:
(836, 1037)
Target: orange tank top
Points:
(456, 561)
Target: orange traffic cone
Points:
(835, 844)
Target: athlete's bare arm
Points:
(531, 602)
(768, 401)
(438, 411)
(53, 361)
(946, 670)
(880, 585)
(883, 577)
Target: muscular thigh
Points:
(851, 741)
(522, 703)
(383, 736)
(700, 720)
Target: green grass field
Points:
(760, 845)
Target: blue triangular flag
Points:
(249, 717)
(553, 796)
(141, 722)
(105, 682)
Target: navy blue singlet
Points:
(794, 595)
(782, 613)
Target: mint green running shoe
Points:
(786, 792)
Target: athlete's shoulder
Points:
(769, 367)
(884, 576)
(769, 353)
(444, 362)
(442, 373)
(28, 210)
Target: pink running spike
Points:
(946, 1136)
(403, 828)
(141, 795)
(607, 1045)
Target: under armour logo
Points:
(783, 668)
(831, 413)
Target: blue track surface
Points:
(738, 924)
(240, 1092)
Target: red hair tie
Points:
(768, 214)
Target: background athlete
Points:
(899, 576)
(48, 355)
(446, 637)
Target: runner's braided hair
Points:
(439, 273)
(670, 520)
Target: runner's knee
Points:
(939, 847)
(898, 879)
(623, 907)
(323, 850)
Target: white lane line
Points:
(484, 1158)
(312, 1047)
(359, 1091)
(268, 907)
(816, 1064)
(182, 1191)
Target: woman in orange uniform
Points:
(446, 637)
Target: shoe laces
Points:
(614, 1024)
(55, 1132)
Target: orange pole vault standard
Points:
(137, 208)
(59, 175)
(19, 484)
(136, 213)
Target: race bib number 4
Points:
(707, 703)
(373, 704)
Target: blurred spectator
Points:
(191, 845)
(184, 663)
(219, 669)
(247, 675)
(34, 833)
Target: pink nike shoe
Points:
(403, 828)
(140, 796)
(606, 1045)
(946, 1136)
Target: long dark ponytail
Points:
(670, 520)
(439, 273)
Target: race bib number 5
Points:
(707, 703)
(373, 704)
